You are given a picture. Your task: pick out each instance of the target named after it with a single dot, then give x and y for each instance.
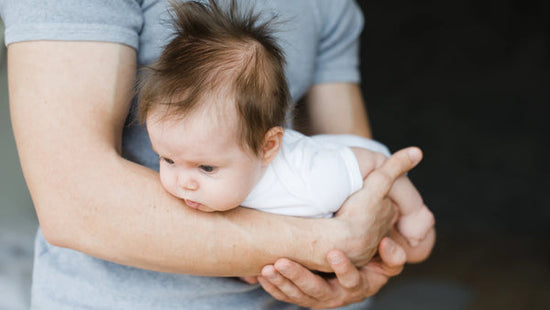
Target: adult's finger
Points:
(272, 289)
(281, 287)
(309, 283)
(392, 257)
(389, 264)
(318, 291)
(270, 273)
(380, 181)
(348, 275)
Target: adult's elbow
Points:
(56, 225)
(52, 234)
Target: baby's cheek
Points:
(226, 199)
(166, 182)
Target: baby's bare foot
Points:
(415, 226)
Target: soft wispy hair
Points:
(220, 50)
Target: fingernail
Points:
(269, 273)
(400, 255)
(390, 246)
(334, 258)
(414, 155)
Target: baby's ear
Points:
(272, 143)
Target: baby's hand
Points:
(416, 225)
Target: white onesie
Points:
(311, 176)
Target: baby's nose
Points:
(189, 184)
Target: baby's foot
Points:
(415, 226)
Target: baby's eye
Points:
(206, 168)
(167, 160)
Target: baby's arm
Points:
(415, 220)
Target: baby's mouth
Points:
(192, 204)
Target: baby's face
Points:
(202, 162)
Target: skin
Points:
(90, 199)
(292, 282)
(415, 219)
(337, 108)
(201, 156)
(67, 115)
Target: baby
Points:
(215, 104)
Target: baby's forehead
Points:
(218, 105)
(221, 104)
(214, 114)
(198, 127)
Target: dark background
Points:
(467, 81)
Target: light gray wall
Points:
(17, 218)
(15, 202)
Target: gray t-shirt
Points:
(320, 40)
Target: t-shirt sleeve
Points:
(338, 52)
(117, 21)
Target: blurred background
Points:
(468, 82)
(17, 218)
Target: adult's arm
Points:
(336, 108)
(339, 108)
(68, 102)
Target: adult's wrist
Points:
(366, 222)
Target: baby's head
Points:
(215, 103)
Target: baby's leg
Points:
(415, 220)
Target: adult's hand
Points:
(369, 213)
(291, 282)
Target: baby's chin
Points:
(205, 208)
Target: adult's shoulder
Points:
(340, 12)
(68, 20)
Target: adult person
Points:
(110, 236)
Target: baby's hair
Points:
(217, 50)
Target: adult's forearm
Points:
(337, 108)
(131, 220)
(67, 116)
